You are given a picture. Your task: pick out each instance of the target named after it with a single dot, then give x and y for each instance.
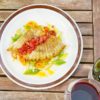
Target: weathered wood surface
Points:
(96, 22)
(88, 41)
(6, 84)
(82, 70)
(79, 16)
(88, 22)
(9, 95)
(87, 56)
(86, 28)
(67, 4)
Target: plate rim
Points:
(75, 64)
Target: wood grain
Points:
(66, 4)
(85, 28)
(82, 70)
(8, 95)
(87, 56)
(96, 21)
(6, 84)
(79, 16)
(88, 41)
(81, 11)
(10, 86)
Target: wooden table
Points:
(87, 15)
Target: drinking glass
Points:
(67, 95)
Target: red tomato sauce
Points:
(31, 45)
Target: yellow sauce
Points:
(41, 74)
(51, 72)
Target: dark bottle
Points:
(96, 70)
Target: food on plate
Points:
(38, 48)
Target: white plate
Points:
(42, 14)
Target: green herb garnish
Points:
(16, 37)
(26, 27)
(62, 55)
(59, 62)
(31, 71)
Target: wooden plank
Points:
(88, 41)
(66, 4)
(79, 16)
(9, 95)
(6, 84)
(96, 21)
(87, 56)
(82, 70)
(85, 28)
